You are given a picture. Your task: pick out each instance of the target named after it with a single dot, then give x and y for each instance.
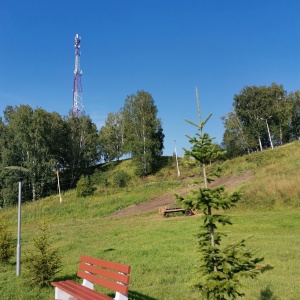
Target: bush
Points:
(84, 187)
(100, 178)
(7, 247)
(121, 178)
(44, 261)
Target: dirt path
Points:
(168, 198)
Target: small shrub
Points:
(84, 187)
(121, 178)
(43, 261)
(7, 247)
(96, 177)
(105, 182)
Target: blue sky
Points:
(164, 47)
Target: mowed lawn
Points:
(163, 252)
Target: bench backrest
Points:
(108, 274)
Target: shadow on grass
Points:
(162, 162)
(66, 277)
(103, 167)
(132, 295)
(109, 250)
(267, 294)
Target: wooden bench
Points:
(186, 212)
(111, 275)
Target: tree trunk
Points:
(212, 239)
(33, 192)
(205, 176)
(280, 134)
(260, 145)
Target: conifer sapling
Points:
(218, 274)
(44, 260)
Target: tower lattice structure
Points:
(78, 107)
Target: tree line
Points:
(262, 117)
(47, 143)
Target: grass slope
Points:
(163, 251)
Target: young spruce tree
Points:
(43, 261)
(220, 269)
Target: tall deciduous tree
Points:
(28, 141)
(143, 131)
(294, 99)
(265, 113)
(252, 106)
(111, 137)
(83, 145)
(41, 141)
(280, 114)
(236, 139)
(2, 147)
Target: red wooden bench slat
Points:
(123, 289)
(104, 273)
(95, 294)
(106, 264)
(79, 291)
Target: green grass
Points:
(276, 178)
(163, 251)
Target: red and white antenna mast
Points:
(77, 88)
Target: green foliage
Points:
(84, 187)
(31, 139)
(232, 262)
(220, 269)
(144, 134)
(100, 178)
(121, 178)
(7, 247)
(41, 141)
(82, 145)
(204, 199)
(236, 139)
(203, 150)
(43, 262)
(112, 138)
(169, 259)
(263, 116)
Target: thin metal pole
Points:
(178, 171)
(21, 169)
(19, 231)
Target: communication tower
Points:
(77, 88)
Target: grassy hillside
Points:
(276, 183)
(163, 251)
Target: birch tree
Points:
(143, 131)
(111, 137)
(28, 141)
(83, 147)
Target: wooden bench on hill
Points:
(111, 275)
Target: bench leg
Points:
(61, 295)
(88, 284)
(120, 296)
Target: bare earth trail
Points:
(168, 199)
